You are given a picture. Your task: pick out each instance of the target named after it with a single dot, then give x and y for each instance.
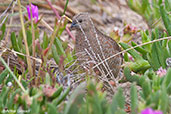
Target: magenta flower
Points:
(161, 72)
(131, 58)
(35, 13)
(151, 111)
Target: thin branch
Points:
(33, 39)
(165, 38)
(25, 39)
(58, 17)
(15, 52)
(6, 9)
(12, 74)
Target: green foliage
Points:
(139, 64)
(95, 102)
(37, 100)
(118, 103)
(2, 29)
(151, 11)
(166, 19)
(152, 55)
(65, 6)
(134, 99)
(75, 100)
(33, 100)
(155, 90)
(3, 75)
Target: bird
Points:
(93, 47)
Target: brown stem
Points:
(58, 17)
(33, 42)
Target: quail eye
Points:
(80, 20)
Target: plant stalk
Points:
(25, 39)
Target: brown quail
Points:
(92, 47)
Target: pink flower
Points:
(151, 111)
(161, 72)
(131, 58)
(48, 90)
(35, 13)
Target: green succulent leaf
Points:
(3, 28)
(55, 54)
(59, 99)
(14, 42)
(57, 92)
(166, 19)
(75, 100)
(3, 75)
(52, 109)
(118, 102)
(29, 38)
(132, 52)
(134, 99)
(59, 47)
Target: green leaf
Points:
(126, 58)
(3, 75)
(2, 96)
(58, 100)
(132, 52)
(20, 41)
(5, 96)
(169, 47)
(145, 4)
(146, 87)
(155, 99)
(69, 56)
(167, 80)
(55, 54)
(75, 100)
(11, 99)
(14, 42)
(164, 98)
(134, 99)
(66, 4)
(118, 102)
(93, 99)
(131, 78)
(29, 38)
(3, 28)
(35, 107)
(52, 109)
(166, 20)
(153, 58)
(120, 98)
(168, 5)
(145, 39)
(57, 92)
(9, 79)
(25, 83)
(45, 41)
(48, 79)
(139, 49)
(120, 111)
(59, 47)
(139, 65)
(160, 54)
(160, 2)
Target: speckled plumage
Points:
(93, 45)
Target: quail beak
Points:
(74, 24)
